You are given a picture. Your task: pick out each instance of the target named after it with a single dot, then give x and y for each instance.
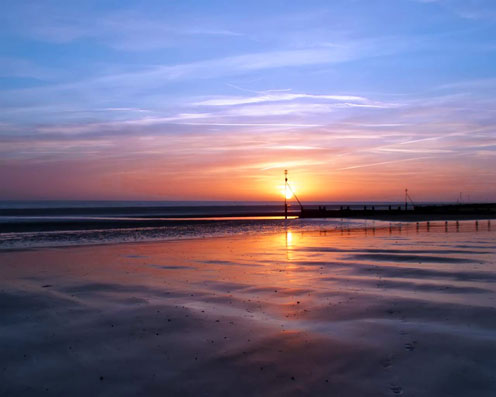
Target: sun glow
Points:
(286, 192)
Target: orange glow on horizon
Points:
(164, 178)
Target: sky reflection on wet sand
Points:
(355, 312)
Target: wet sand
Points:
(365, 312)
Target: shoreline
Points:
(361, 225)
(281, 227)
(68, 224)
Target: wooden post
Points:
(285, 194)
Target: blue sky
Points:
(104, 99)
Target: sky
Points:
(212, 100)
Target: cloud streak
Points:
(276, 97)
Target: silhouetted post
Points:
(285, 194)
(406, 201)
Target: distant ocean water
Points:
(24, 204)
(134, 208)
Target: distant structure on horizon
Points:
(286, 187)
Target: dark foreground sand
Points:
(359, 313)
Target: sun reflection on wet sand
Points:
(260, 313)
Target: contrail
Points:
(383, 162)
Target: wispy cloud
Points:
(352, 167)
(468, 9)
(122, 29)
(276, 97)
(417, 150)
(487, 83)
(246, 62)
(148, 78)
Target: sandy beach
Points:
(359, 312)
